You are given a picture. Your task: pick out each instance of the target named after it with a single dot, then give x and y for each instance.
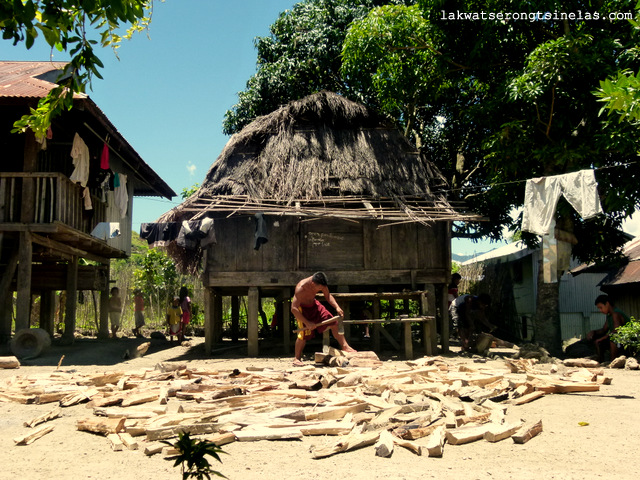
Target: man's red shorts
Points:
(315, 313)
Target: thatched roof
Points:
(322, 155)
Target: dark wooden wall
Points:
(351, 252)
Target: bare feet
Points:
(298, 363)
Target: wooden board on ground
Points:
(527, 432)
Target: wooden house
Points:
(509, 274)
(321, 184)
(58, 202)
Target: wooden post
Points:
(23, 301)
(442, 291)
(431, 300)
(235, 318)
(427, 327)
(27, 207)
(376, 326)
(286, 319)
(252, 321)
(47, 310)
(103, 327)
(208, 320)
(408, 342)
(218, 319)
(6, 297)
(72, 299)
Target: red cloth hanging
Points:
(104, 158)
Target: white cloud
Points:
(191, 168)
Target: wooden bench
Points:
(429, 337)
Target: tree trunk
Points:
(547, 317)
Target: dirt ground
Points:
(605, 448)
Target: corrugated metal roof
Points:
(33, 80)
(507, 253)
(30, 79)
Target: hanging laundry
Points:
(121, 197)
(261, 231)
(196, 233)
(210, 234)
(80, 155)
(86, 197)
(106, 230)
(104, 158)
(159, 234)
(541, 197)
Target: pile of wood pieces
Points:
(420, 405)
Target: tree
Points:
(494, 103)
(76, 27)
(300, 57)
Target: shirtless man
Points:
(309, 312)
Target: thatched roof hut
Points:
(327, 175)
(322, 155)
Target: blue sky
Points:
(167, 94)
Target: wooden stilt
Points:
(252, 321)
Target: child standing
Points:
(174, 315)
(185, 305)
(138, 307)
(115, 311)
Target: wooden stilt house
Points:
(58, 200)
(321, 184)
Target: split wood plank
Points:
(265, 433)
(140, 398)
(527, 432)
(460, 436)
(409, 445)
(350, 442)
(9, 362)
(435, 442)
(221, 439)
(529, 397)
(497, 433)
(168, 432)
(153, 448)
(33, 436)
(128, 441)
(384, 445)
(55, 413)
(103, 426)
(114, 441)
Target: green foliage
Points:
(622, 96)
(192, 457)
(71, 26)
(628, 335)
(157, 276)
(187, 192)
(301, 56)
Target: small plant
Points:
(192, 457)
(628, 335)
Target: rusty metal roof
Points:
(617, 274)
(22, 82)
(30, 79)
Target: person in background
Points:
(471, 313)
(138, 311)
(185, 305)
(115, 311)
(174, 318)
(602, 336)
(452, 293)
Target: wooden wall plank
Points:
(405, 246)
